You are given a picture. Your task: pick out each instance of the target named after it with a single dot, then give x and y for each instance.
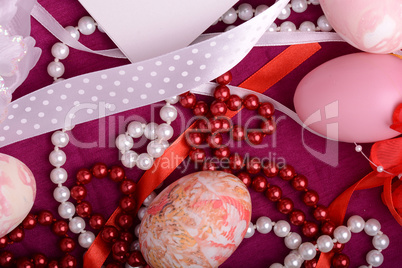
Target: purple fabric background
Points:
(258, 251)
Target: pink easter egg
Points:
(352, 98)
(198, 221)
(17, 193)
(369, 25)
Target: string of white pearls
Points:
(359, 149)
(158, 134)
(60, 51)
(246, 12)
(307, 251)
(61, 193)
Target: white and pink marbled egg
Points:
(370, 25)
(17, 192)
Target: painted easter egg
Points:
(198, 221)
(17, 192)
(352, 98)
(370, 25)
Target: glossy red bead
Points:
(222, 93)
(338, 247)
(4, 241)
(287, 172)
(136, 259)
(218, 108)
(194, 138)
(255, 137)
(29, 222)
(310, 198)
(68, 261)
(311, 263)
(285, 205)
(238, 133)
(60, 228)
(84, 176)
(125, 221)
(310, 229)
(300, 183)
(99, 170)
(200, 108)
(6, 259)
(268, 126)
(109, 234)
(40, 260)
(53, 264)
(254, 165)
(259, 184)
(17, 235)
(340, 261)
(215, 140)
(128, 187)
(45, 217)
(320, 213)
(24, 263)
(225, 78)
(328, 228)
(266, 109)
(204, 125)
(97, 221)
(197, 155)
(222, 152)
(127, 203)
(245, 178)
(273, 193)
(117, 173)
(78, 192)
(188, 100)
(226, 124)
(84, 209)
(234, 103)
(251, 102)
(236, 161)
(121, 259)
(120, 248)
(67, 244)
(215, 124)
(270, 169)
(297, 217)
(127, 237)
(209, 166)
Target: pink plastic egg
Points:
(352, 98)
(17, 193)
(370, 25)
(198, 221)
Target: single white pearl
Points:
(58, 175)
(60, 51)
(173, 100)
(299, 6)
(76, 225)
(60, 139)
(374, 258)
(129, 159)
(282, 228)
(380, 169)
(293, 260)
(372, 227)
(342, 234)
(323, 23)
(150, 131)
(358, 148)
(86, 25)
(55, 69)
(73, 32)
(155, 149)
(86, 239)
(164, 131)
(66, 210)
(315, 2)
(61, 194)
(147, 201)
(285, 13)
(276, 265)
(124, 142)
(168, 113)
(288, 26)
(135, 245)
(293, 241)
(307, 26)
(230, 27)
(250, 230)
(325, 243)
(259, 9)
(273, 27)
(137, 230)
(381, 241)
(307, 251)
(356, 224)
(57, 158)
(164, 143)
(135, 129)
(141, 213)
(145, 161)
(264, 225)
(245, 11)
(230, 16)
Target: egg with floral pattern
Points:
(197, 221)
(17, 193)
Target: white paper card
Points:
(144, 29)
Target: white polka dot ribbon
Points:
(103, 93)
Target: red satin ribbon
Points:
(263, 79)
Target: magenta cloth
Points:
(258, 251)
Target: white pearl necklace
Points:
(307, 251)
(246, 12)
(158, 134)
